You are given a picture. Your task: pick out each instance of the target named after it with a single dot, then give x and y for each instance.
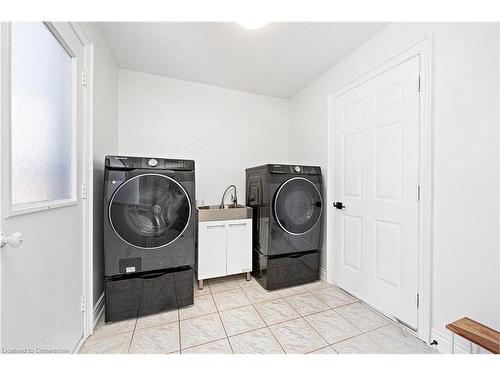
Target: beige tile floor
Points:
(232, 315)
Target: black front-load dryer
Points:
(287, 213)
(149, 235)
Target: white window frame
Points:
(20, 209)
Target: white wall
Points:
(224, 131)
(465, 92)
(105, 138)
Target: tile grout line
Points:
(326, 303)
(348, 321)
(179, 325)
(270, 325)
(267, 326)
(203, 314)
(217, 311)
(376, 341)
(222, 323)
(211, 341)
(301, 317)
(250, 330)
(309, 314)
(354, 324)
(233, 308)
(200, 315)
(391, 320)
(265, 300)
(338, 342)
(227, 290)
(332, 309)
(132, 337)
(362, 333)
(284, 298)
(205, 343)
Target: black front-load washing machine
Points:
(287, 211)
(149, 235)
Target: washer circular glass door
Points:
(297, 206)
(149, 211)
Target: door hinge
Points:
(84, 77)
(84, 191)
(418, 83)
(418, 193)
(418, 300)
(83, 304)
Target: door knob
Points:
(14, 240)
(338, 205)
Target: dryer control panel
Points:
(132, 162)
(294, 169)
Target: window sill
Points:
(24, 209)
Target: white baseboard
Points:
(444, 342)
(98, 309)
(322, 274)
(78, 346)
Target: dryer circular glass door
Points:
(150, 211)
(297, 206)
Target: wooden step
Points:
(481, 335)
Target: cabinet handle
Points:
(238, 225)
(215, 226)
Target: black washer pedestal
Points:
(285, 271)
(145, 293)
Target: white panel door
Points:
(42, 134)
(239, 246)
(376, 179)
(211, 249)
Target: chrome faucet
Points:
(234, 197)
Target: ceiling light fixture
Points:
(252, 25)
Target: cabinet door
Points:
(239, 246)
(211, 250)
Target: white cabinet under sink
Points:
(239, 246)
(224, 248)
(212, 249)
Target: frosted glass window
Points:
(41, 111)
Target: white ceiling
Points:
(277, 60)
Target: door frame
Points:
(4, 118)
(422, 49)
(85, 191)
(88, 255)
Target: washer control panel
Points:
(133, 162)
(293, 169)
